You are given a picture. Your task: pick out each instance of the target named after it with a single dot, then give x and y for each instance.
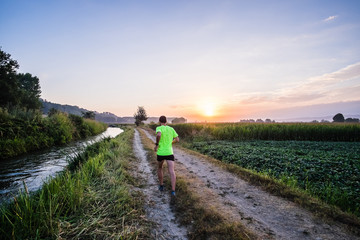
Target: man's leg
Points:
(171, 167)
(160, 172)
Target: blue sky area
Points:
(203, 60)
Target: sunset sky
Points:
(202, 60)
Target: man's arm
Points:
(175, 140)
(158, 136)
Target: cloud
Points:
(344, 74)
(331, 18)
(295, 98)
(335, 86)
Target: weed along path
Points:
(265, 215)
(157, 204)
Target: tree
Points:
(17, 90)
(89, 115)
(30, 91)
(140, 116)
(179, 120)
(339, 118)
(352, 120)
(9, 87)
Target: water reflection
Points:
(36, 167)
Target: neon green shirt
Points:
(167, 136)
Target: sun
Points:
(209, 110)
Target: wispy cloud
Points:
(346, 73)
(331, 18)
(335, 86)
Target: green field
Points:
(321, 158)
(328, 170)
(346, 132)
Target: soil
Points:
(266, 215)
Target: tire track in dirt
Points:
(157, 205)
(269, 216)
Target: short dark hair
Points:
(162, 119)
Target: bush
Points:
(60, 127)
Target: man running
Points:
(165, 137)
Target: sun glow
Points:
(208, 109)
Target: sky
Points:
(222, 60)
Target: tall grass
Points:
(39, 215)
(270, 131)
(24, 131)
(65, 202)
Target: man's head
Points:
(162, 119)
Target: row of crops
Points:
(270, 131)
(328, 170)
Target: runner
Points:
(165, 137)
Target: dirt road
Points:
(268, 216)
(156, 203)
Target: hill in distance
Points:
(105, 117)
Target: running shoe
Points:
(161, 188)
(172, 199)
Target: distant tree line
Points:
(337, 118)
(340, 118)
(268, 120)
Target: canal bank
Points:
(34, 168)
(91, 201)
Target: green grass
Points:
(90, 201)
(328, 170)
(26, 131)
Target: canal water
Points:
(36, 167)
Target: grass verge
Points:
(90, 201)
(204, 222)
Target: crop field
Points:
(328, 170)
(337, 132)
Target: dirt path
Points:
(270, 217)
(157, 204)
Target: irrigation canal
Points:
(32, 169)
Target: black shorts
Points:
(168, 157)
